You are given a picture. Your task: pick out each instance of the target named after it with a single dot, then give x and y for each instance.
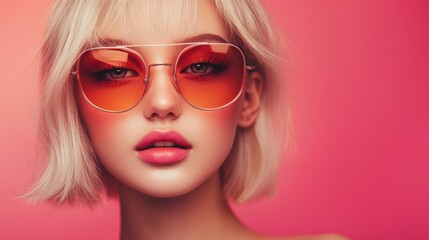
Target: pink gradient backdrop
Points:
(360, 104)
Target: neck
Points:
(200, 214)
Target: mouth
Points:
(165, 144)
(163, 147)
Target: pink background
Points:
(360, 103)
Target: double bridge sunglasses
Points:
(209, 76)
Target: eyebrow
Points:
(207, 37)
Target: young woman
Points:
(174, 106)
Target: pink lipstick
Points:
(163, 147)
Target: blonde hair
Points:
(73, 174)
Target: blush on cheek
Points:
(105, 129)
(223, 122)
(94, 118)
(226, 115)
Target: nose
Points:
(161, 99)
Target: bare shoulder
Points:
(311, 237)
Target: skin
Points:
(184, 200)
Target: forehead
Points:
(161, 21)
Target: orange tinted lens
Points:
(210, 76)
(112, 79)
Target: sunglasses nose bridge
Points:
(173, 77)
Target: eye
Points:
(203, 68)
(199, 68)
(119, 73)
(115, 74)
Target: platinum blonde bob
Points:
(71, 172)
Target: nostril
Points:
(169, 115)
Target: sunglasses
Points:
(209, 76)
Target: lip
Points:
(148, 152)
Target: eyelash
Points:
(100, 72)
(218, 64)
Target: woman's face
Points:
(139, 147)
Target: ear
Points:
(252, 100)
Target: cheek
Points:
(216, 130)
(221, 125)
(107, 131)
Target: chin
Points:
(169, 192)
(166, 190)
